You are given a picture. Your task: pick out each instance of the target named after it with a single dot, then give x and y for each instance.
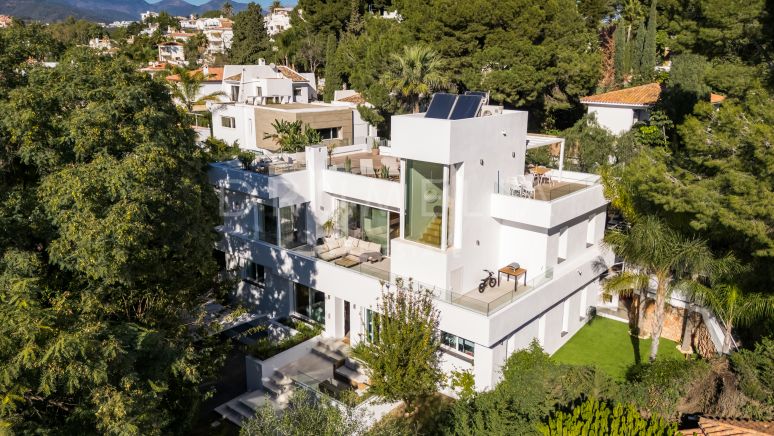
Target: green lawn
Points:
(607, 344)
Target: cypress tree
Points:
(638, 52)
(332, 72)
(620, 58)
(251, 42)
(648, 62)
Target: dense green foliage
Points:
(755, 368)
(404, 355)
(293, 136)
(594, 417)
(304, 416)
(105, 243)
(250, 42)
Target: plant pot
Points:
(374, 152)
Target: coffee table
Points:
(512, 272)
(371, 256)
(347, 261)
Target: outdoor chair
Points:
(367, 167)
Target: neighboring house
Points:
(103, 45)
(360, 128)
(172, 52)
(277, 21)
(213, 79)
(259, 94)
(619, 110)
(154, 68)
(5, 21)
(436, 225)
(219, 38)
(147, 15)
(180, 36)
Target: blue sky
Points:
(263, 3)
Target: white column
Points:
(561, 159)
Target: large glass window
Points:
(310, 303)
(293, 225)
(367, 223)
(458, 344)
(253, 273)
(424, 202)
(246, 215)
(330, 132)
(372, 325)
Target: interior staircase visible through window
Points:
(432, 234)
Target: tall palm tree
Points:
(186, 89)
(417, 72)
(662, 256)
(733, 306)
(276, 4)
(227, 9)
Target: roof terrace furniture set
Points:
(367, 168)
(349, 251)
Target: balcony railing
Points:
(548, 187)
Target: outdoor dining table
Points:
(509, 272)
(540, 172)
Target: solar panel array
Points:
(455, 107)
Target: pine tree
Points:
(332, 73)
(251, 42)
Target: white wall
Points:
(617, 119)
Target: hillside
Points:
(102, 10)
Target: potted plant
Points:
(348, 165)
(328, 227)
(246, 158)
(375, 147)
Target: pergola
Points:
(535, 140)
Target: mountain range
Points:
(103, 10)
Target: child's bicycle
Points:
(490, 280)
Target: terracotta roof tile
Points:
(354, 98)
(643, 95)
(713, 426)
(215, 74)
(290, 74)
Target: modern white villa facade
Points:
(323, 244)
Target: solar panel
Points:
(467, 107)
(440, 106)
(484, 95)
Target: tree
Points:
(187, 89)
(293, 136)
(227, 9)
(418, 72)
(588, 146)
(594, 11)
(195, 47)
(332, 73)
(106, 222)
(276, 4)
(686, 86)
(311, 52)
(598, 417)
(404, 355)
(663, 256)
(305, 414)
(733, 306)
(251, 42)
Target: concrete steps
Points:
(242, 407)
(432, 233)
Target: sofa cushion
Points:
(320, 249)
(352, 242)
(357, 251)
(372, 247)
(338, 252)
(327, 256)
(332, 243)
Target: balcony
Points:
(271, 180)
(553, 202)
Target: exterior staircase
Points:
(242, 407)
(278, 386)
(432, 234)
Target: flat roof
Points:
(304, 107)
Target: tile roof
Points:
(290, 74)
(643, 95)
(714, 426)
(155, 67)
(215, 74)
(354, 98)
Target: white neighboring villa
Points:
(172, 53)
(278, 20)
(457, 202)
(361, 129)
(619, 110)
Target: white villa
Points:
(277, 20)
(172, 53)
(619, 110)
(322, 244)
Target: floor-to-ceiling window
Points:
(245, 214)
(293, 225)
(367, 223)
(310, 303)
(424, 202)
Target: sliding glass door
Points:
(366, 223)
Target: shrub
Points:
(599, 417)
(658, 387)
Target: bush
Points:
(598, 417)
(658, 387)
(266, 348)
